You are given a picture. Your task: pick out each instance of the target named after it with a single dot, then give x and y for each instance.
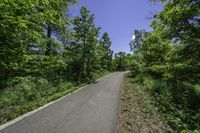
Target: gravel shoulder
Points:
(137, 113)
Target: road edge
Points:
(120, 102)
(9, 123)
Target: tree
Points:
(155, 52)
(180, 22)
(137, 40)
(22, 36)
(55, 19)
(169, 57)
(85, 43)
(120, 61)
(18, 32)
(105, 52)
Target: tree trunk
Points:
(49, 32)
(83, 60)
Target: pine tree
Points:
(105, 53)
(85, 34)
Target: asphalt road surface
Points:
(93, 109)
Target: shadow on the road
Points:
(95, 82)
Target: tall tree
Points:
(19, 30)
(55, 18)
(22, 35)
(85, 33)
(105, 52)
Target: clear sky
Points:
(120, 18)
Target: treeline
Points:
(167, 62)
(40, 38)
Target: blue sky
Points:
(120, 18)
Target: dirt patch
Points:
(137, 113)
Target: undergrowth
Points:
(178, 102)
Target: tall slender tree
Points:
(85, 33)
(105, 52)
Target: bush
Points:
(136, 67)
(177, 101)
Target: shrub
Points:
(177, 101)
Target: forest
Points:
(45, 53)
(166, 62)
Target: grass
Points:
(25, 94)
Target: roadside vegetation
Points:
(166, 62)
(27, 93)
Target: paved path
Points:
(93, 109)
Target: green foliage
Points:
(135, 65)
(167, 62)
(26, 93)
(28, 48)
(138, 37)
(22, 37)
(179, 21)
(105, 54)
(100, 73)
(174, 102)
(120, 62)
(84, 44)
